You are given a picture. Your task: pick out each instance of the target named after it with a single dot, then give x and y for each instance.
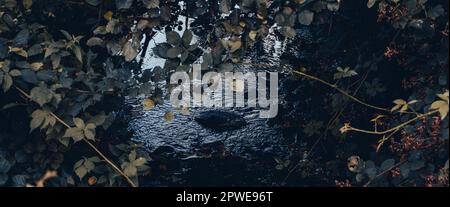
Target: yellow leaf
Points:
(442, 107)
(169, 116)
(252, 35)
(148, 104)
(399, 101)
(233, 46)
(19, 51)
(108, 15)
(36, 66)
(27, 4)
(404, 108)
(49, 174)
(443, 96)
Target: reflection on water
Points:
(185, 135)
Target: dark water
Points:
(185, 135)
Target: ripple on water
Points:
(185, 135)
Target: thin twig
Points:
(86, 141)
(341, 91)
(349, 128)
(384, 172)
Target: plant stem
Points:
(341, 91)
(87, 142)
(394, 128)
(384, 172)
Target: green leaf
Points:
(78, 163)
(77, 51)
(371, 3)
(93, 2)
(344, 73)
(7, 82)
(66, 34)
(15, 73)
(75, 133)
(173, 38)
(416, 164)
(139, 161)
(173, 52)
(387, 164)
(27, 4)
(187, 38)
(94, 41)
(130, 170)
(123, 4)
(38, 118)
(132, 155)
(41, 94)
(89, 131)
(306, 17)
(81, 171)
(79, 123)
(89, 165)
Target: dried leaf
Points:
(108, 15)
(19, 51)
(36, 66)
(148, 104)
(169, 116)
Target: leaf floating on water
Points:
(252, 35)
(169, 116)
(19, 51)
(148, 104)
(185, 111)
(36, 66)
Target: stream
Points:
(187, 140)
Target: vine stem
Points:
(384, 172)
(334, 86)
(340, 91)
(400, 126)
(87, 142)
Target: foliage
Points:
(68, 58)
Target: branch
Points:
(87, 142)
(347, 127)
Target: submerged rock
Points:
(220, 120)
